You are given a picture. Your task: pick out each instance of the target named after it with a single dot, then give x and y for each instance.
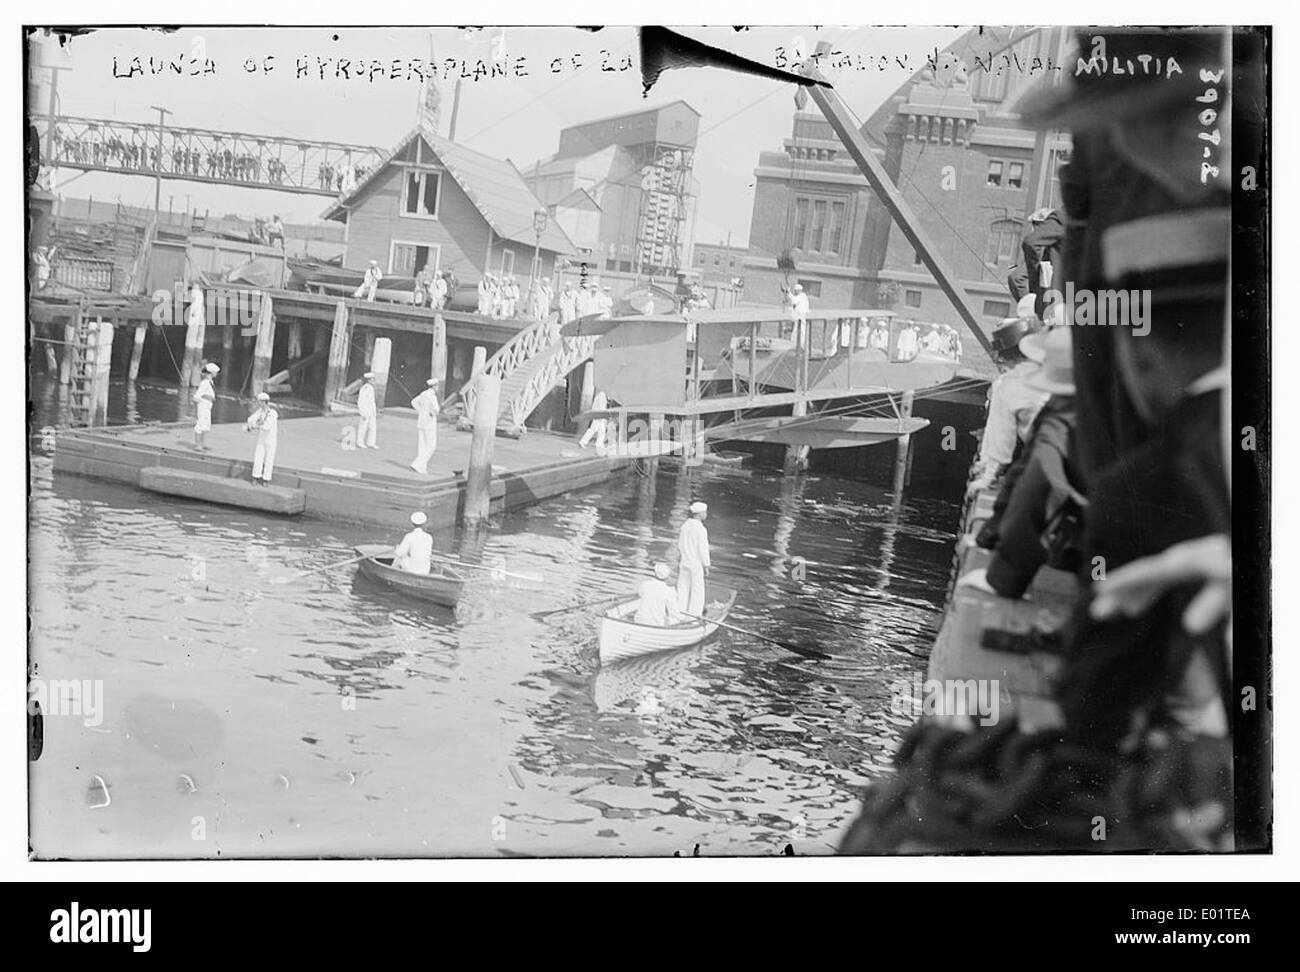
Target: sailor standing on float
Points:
(264, 422)
(369, 413)
(204, 398)
(693, 545)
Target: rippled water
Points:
(249, 710)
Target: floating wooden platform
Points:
(374, 486)
(223, 490)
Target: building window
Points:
(995, 173)
(813, 288)
(912, 298)
(700, 261)
(422, 190)
(625, 266)
(819, 225)
(997, 308)
(717, 261)
(801, 207)
(1016, 175)
(507, 262)
(837, 227)
(408, 259)
(1004, 240)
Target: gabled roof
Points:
(495, 187)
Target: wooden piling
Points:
(264, 346)
(100, 376)
(478, 480)
(69, 342)
(294, 351)
(796, 456)
(137, 350)
(903, 456)
(587, 393)
(379, 364)
(438, 354)
(337, 373)
(195, 324)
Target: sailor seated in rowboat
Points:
(415, 552)
(658, 604)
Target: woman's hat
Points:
(1055, 374)
(418, 518)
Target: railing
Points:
(574, 351)
(84, 274)
(511, 356)
(204, 155)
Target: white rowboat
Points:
(621, 637)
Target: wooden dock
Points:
(358, 485)
(1024, 680)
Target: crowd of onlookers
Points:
(1104, 448)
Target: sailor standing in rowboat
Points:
(415, 552)
(366, 425)
(264, 422)
(693, 544)
(426, 407)
(658, 604)
(204, 397)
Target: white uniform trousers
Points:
(427, 444)
(690, 588)
(264, 460)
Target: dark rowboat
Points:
(441, 586)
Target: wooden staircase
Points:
(533, 362)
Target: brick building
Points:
(951, 141)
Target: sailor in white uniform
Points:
(264, 422)
(204, 398)
(658, 604)
(415, 552)
(369, 413)
(693, 545)
(426, 407)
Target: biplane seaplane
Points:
(751, 374)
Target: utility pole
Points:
(157, 162)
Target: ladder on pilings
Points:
(83, 353)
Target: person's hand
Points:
(1132, 589)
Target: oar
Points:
(788, 646)
(317, 570)
(500, 572)
(542, 615)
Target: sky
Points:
(514, 117)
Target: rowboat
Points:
(621, 637)
(441, 586)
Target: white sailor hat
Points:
(432, 381)
(368, 374)
(698, 507)
(263, 397)
(661, 570)
(211, 368)
(418, 518)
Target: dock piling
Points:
(588, 393)
(438, 355)
(265, 344)
(478, 480)
(903, 457)
(796, 456)
(379, 364)
(137, 350)
(103, 349)
(337, 373)
(195, 325)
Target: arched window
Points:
(1004, 242)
